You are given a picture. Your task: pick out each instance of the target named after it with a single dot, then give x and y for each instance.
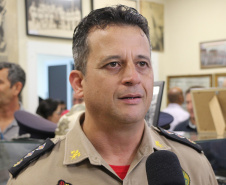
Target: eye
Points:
(143, 64)
(113, 64)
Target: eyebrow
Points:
(106, 59)
(144, 57)
(111, 57)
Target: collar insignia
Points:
(74, 154)
(158, 144)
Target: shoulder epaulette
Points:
(181, 139)
(31, 156)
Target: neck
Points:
(7, 113)
(116, 143)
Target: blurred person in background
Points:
(63, 106)
(188, 125)
(49, 109)
(12, 81)
(69, 117)
(174, 108)
(76, 99)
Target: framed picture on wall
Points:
(220, 80)
(8, 31)
(154, 13)
(52, 18)
(186, 81)
(100, 3)
(213, 54)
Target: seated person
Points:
(176, 99)
(188, 125)
(49, 109)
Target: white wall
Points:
(187, 23)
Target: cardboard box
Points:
(210, 110)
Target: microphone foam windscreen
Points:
(163, 168)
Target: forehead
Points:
(4, 72)
(113, 29)
(118, 38)
(188, 96)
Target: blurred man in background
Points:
(188, 125)
(12, 81)
(176, 99)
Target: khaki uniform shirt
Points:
(74, 160)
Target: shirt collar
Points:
(82, 148)
(152, 140)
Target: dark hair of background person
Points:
(15, 74)
(100, 19)
(192, 87)
(47, 107)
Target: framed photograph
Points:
(213, 54)
(8, 31)
(152, 115)
(220, 80)
(154, 13)
(51, 18)
(100, 4)
(186, 81)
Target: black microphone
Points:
(163, 168)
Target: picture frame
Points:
(154, 13)
(152, 115)
(54, 19)
(213, 54)
(220, 80)
(186, 81)
(95, 4)
(9, 26)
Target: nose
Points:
(130, 75)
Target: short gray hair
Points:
(15, 74)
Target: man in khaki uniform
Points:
(110, 142)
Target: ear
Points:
(76, 77)
(17, 87)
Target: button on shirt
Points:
(74, 160)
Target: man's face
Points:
(55, 117)
(6, 92)
(118, 84)
(189, 105)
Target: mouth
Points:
(130, 97)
